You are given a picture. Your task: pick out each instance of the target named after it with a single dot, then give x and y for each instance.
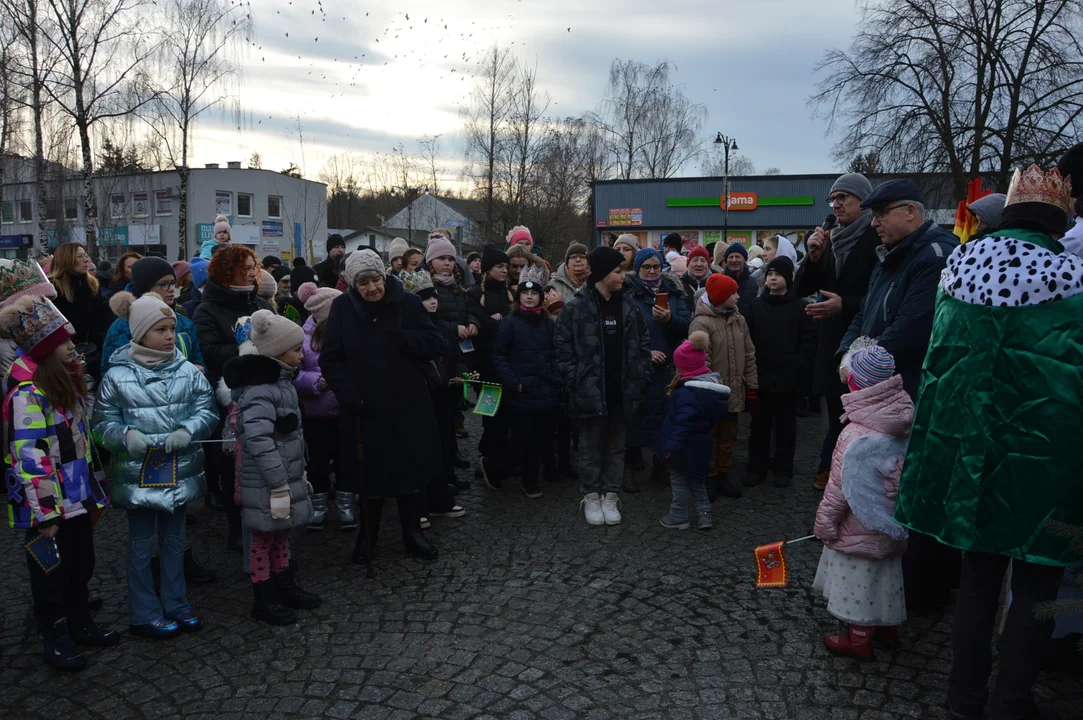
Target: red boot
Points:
(889, 636)
(857, 642)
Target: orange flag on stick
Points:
(966, 222)
(771, 569)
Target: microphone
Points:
(830, 222)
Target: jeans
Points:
(62, 594)
(684, 487)
(832, 410)
(601, 454)
(777, 410)
(1021, 646)
(144, 605)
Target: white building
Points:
(379, 238)
(429, 211)
(276, 214)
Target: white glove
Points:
(280, 502)
(177, 440)
(137, 443)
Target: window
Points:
(7, 213)
(26, 211)
(223, 203)
(71, 208)
(274, 206)
(50, 209)
(244, 205)
(118, 206)
(163, 204)
(140, 205)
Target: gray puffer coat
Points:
(269, 439)
(155, 401)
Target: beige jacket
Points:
(730, 352)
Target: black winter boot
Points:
(268, 607)
(291, 594)
(372, 512)
(196, 573)
(60, 651)
(412, 538)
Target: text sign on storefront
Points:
(741, 201)
(625, 217)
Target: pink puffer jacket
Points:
(883, 409)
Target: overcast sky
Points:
(363, 77)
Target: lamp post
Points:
(725, 145)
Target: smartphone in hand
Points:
(662, 300)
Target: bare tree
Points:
(649, 125)
(104, 46)
(199, 63)
(522, 147)
(714, 165)
(429, 148)
(964, 88)
(866, 163)
(11, 94)
(484, 120)
(772, 171)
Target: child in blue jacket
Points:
(698, 399)
(525, 361)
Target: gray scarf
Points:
(149, 358)
(843, 239)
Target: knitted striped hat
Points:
(869, 366)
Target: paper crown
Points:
(533, 274)
(23, 278)
(1033, 185)
(38, 328)
(415, 282)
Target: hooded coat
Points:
(881, 410)
(269, 440)
(525, 354)
(372, 358)
(563, 284)
(155, 401)
(730, 353)
(315, 403)
(684, 438)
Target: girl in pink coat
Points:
(860, 572)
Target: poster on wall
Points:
(689, 238)
(625, 217)
(270, 234)
(246, 234)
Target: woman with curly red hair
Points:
(231, 292)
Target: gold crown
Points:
(1036, 186)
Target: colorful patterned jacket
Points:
(50, 477)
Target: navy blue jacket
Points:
(685, 434)
(525, 353)
(898, 308)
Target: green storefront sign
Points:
(735, 205)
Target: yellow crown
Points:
(1033, 185)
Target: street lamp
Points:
(725, 145)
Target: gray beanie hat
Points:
(274, 335)
(989, 209)
(363, 261)
(854, 183)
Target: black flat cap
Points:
(893, 191)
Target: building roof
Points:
(418, 238)
(470, 209)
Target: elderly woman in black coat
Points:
(376, 346)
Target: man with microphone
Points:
(840, 259)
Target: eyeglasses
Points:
(879, 214)
(166, 285)
(838, 199)
(652, 268)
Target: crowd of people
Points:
(282, 395)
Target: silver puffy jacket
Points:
(155, 402)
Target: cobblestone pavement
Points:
(528, 614)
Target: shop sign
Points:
(16, 241)
(626, 217)
(271, 228)
(741, 201)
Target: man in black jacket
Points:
(327, 270)
(605, 356)
(837, 269)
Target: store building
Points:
(760, 207)
(273, 213)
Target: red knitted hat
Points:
(699, 251)
(719, 288)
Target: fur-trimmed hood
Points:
(245, 370)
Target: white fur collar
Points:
(707, 385)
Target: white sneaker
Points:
(592, 509)
(609, 509)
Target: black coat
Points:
(525, 353)
(785, 340)
(454, 306)
(851, 284)
(495, 299)
(747, 289)
(372, 358)
(691, 286)
(89, 314)
(215, 316)
(327, 272)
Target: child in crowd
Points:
(860, 572)
(273, 491)
(440, 491)
(698, 399)
(223, 235)
(319, 413)
(53, 492)
(268, 288)
(785, 340)
(731, 355)
(773, 247)
(152, 397)
(281, 276)
(525, 360)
